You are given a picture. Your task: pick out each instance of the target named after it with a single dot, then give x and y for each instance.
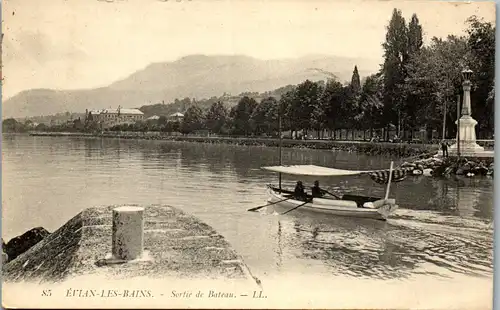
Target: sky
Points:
(72, 44)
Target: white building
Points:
(176, 117)
(153, 118)
(112, 117)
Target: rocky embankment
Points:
(442, 167)
(175, 244)
(20, 244)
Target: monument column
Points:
(468, 145)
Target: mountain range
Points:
(194, 76)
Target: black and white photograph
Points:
(277, 154)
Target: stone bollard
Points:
(128, 232)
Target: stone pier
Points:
(152, 241)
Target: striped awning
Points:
(382, 177)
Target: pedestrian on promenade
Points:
(444, 148)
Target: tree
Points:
(216, 118)
(331, 107)
(193, 120)
(395, 58)
(355, 81)
(304, 101)
(11, 125)
(434, 80)
(370, 102)
(172, 126)
(139, 126)
(263, 116)
(286, 103)
(481, 41)
(41, 127)
(415, 39)
(241, 114)
(396, 38)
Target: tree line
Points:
(416, 87)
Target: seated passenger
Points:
(300, 192)
(317, 192)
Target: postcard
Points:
(248, 154)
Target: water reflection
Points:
(459, 196)
(456, 196)
(279, 248)
(375, 249)
(471, 197)
(442, 224)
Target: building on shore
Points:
(112, 117)
(176, 117)
(153, 118)
(231, 101)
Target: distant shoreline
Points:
(364, 147)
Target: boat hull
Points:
(330, 206)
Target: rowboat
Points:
(345, 205)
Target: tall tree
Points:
(396, 42)
(395, 58)
(355, 81)
(415, 38)
(434, 80)
(481, 42)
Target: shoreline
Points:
(362, 147)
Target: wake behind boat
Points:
(346, 205)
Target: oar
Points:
(260, 207)
(331, 194)
(295, 207)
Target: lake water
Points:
(443, 229)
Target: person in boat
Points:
(317, 192)
(300, 192)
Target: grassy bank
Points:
(377, 148)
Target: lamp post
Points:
(465, 110)
(445, 106)
(466, 84)
(444, 121)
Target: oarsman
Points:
(317, 191)
(300, 192)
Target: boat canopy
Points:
(313, 170)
